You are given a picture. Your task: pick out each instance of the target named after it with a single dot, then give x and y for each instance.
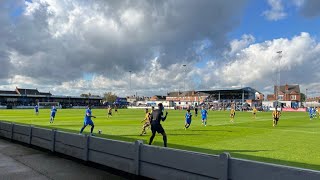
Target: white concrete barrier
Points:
(152, 161)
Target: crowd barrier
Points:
(151, 161)
(294, 109)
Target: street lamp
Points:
(306, 96)
(279, 77)
(130, 81)
(184, 80)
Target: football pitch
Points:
(294, 142)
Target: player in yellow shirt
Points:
(276, 115)
(109, 112)
(146, 121)
(254, 113)
(318, 111)
(232, 114)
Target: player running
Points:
(276, 115)
(146, 122)
(311, 113)
(188, 117)
(254, 113)
(53, 114)
(36, 109)
(157, 117)
(204, 114)
(88, 121)
(109, 112)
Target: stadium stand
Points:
(30, 97)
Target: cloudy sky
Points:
(69, 47)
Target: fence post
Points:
(53, 139)
(30, 135)
(224, 164)
(12, 126)
(86, 148)
(137, 145)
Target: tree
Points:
(88, 95)
(109, 97)
(302, 97)
(84, 95)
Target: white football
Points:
(100, 131)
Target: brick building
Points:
(286, 93)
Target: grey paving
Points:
(21, 162)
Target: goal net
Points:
(48, 104)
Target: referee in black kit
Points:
(156, 118)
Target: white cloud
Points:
(58, 42)
(238, 45)
(253, 65)
(276, 12)
(131, 18)
(22, 80)
(257, 64)
(55, 43)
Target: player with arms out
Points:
(157, 117)
(204, 114)
(276, 115)
(146, 121)
(36, 109)
(188, 117)
(88, 121)
(53, 113)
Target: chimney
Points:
(287, 87)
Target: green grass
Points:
(294, 142)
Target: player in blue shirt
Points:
(88, 121)
(204, 114)
(188, 119)
(53, 113)
(311, 112)
(36, 109)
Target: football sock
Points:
(92, 129)
(165, 141)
